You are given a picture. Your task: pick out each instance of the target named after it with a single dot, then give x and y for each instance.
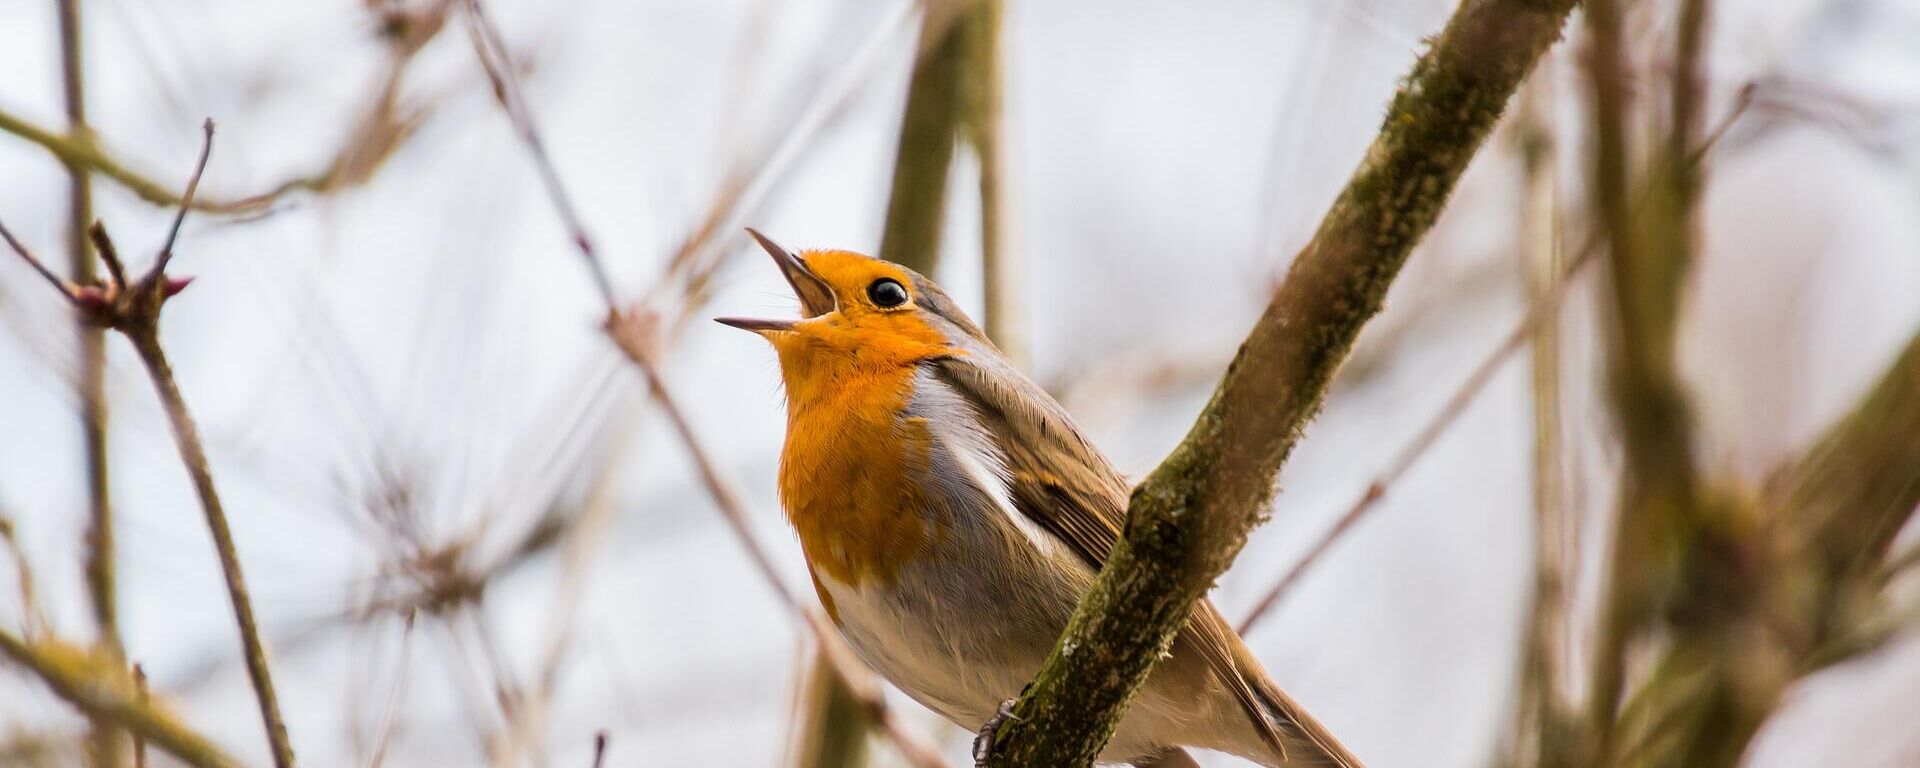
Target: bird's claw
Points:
(983, 739)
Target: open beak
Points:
(816, 298)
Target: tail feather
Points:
(1323, 749)
(1172, 758)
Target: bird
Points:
(952, 515)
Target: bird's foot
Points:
(983, 739)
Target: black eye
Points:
(887, 292)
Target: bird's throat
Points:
(851, 472)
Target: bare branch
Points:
(104, 742)
(492, 53)
(186, 201)
(832, 723)
(104, 691)
(140, 741)
(146, 341)
(66, 289)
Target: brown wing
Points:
(1062, 482)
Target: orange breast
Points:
(847, 473)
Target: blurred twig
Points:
(36, 620)
(930, 125)
(139, 741)
(379, 131)
(955, 96)
(492, 53)
(1541, 714)
(983, 126)
(1659, 503)
(383, 737)
(90, 382)
(1857, 488)
(834, 723)
(102, 689)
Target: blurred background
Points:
(472, 540)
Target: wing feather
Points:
(1060, 480)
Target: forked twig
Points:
(134, 310)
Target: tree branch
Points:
(918, 205)
(833, 721)
(982, 126)
(105, 692)
(1189, 519)
(90, 385)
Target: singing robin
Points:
(952, 516)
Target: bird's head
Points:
(859, 313)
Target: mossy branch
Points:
(1191, 516)
(100, 688)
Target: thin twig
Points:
(110, 256)
(90, 383)
(1541, 702)
(599, 749)
(491, 50)
(384, 734)
(66, 289)
(103, 690)
(186, 200)
(375, 135)
(1409, 454)
(139, 741)
(193, 454)
(35, 619)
